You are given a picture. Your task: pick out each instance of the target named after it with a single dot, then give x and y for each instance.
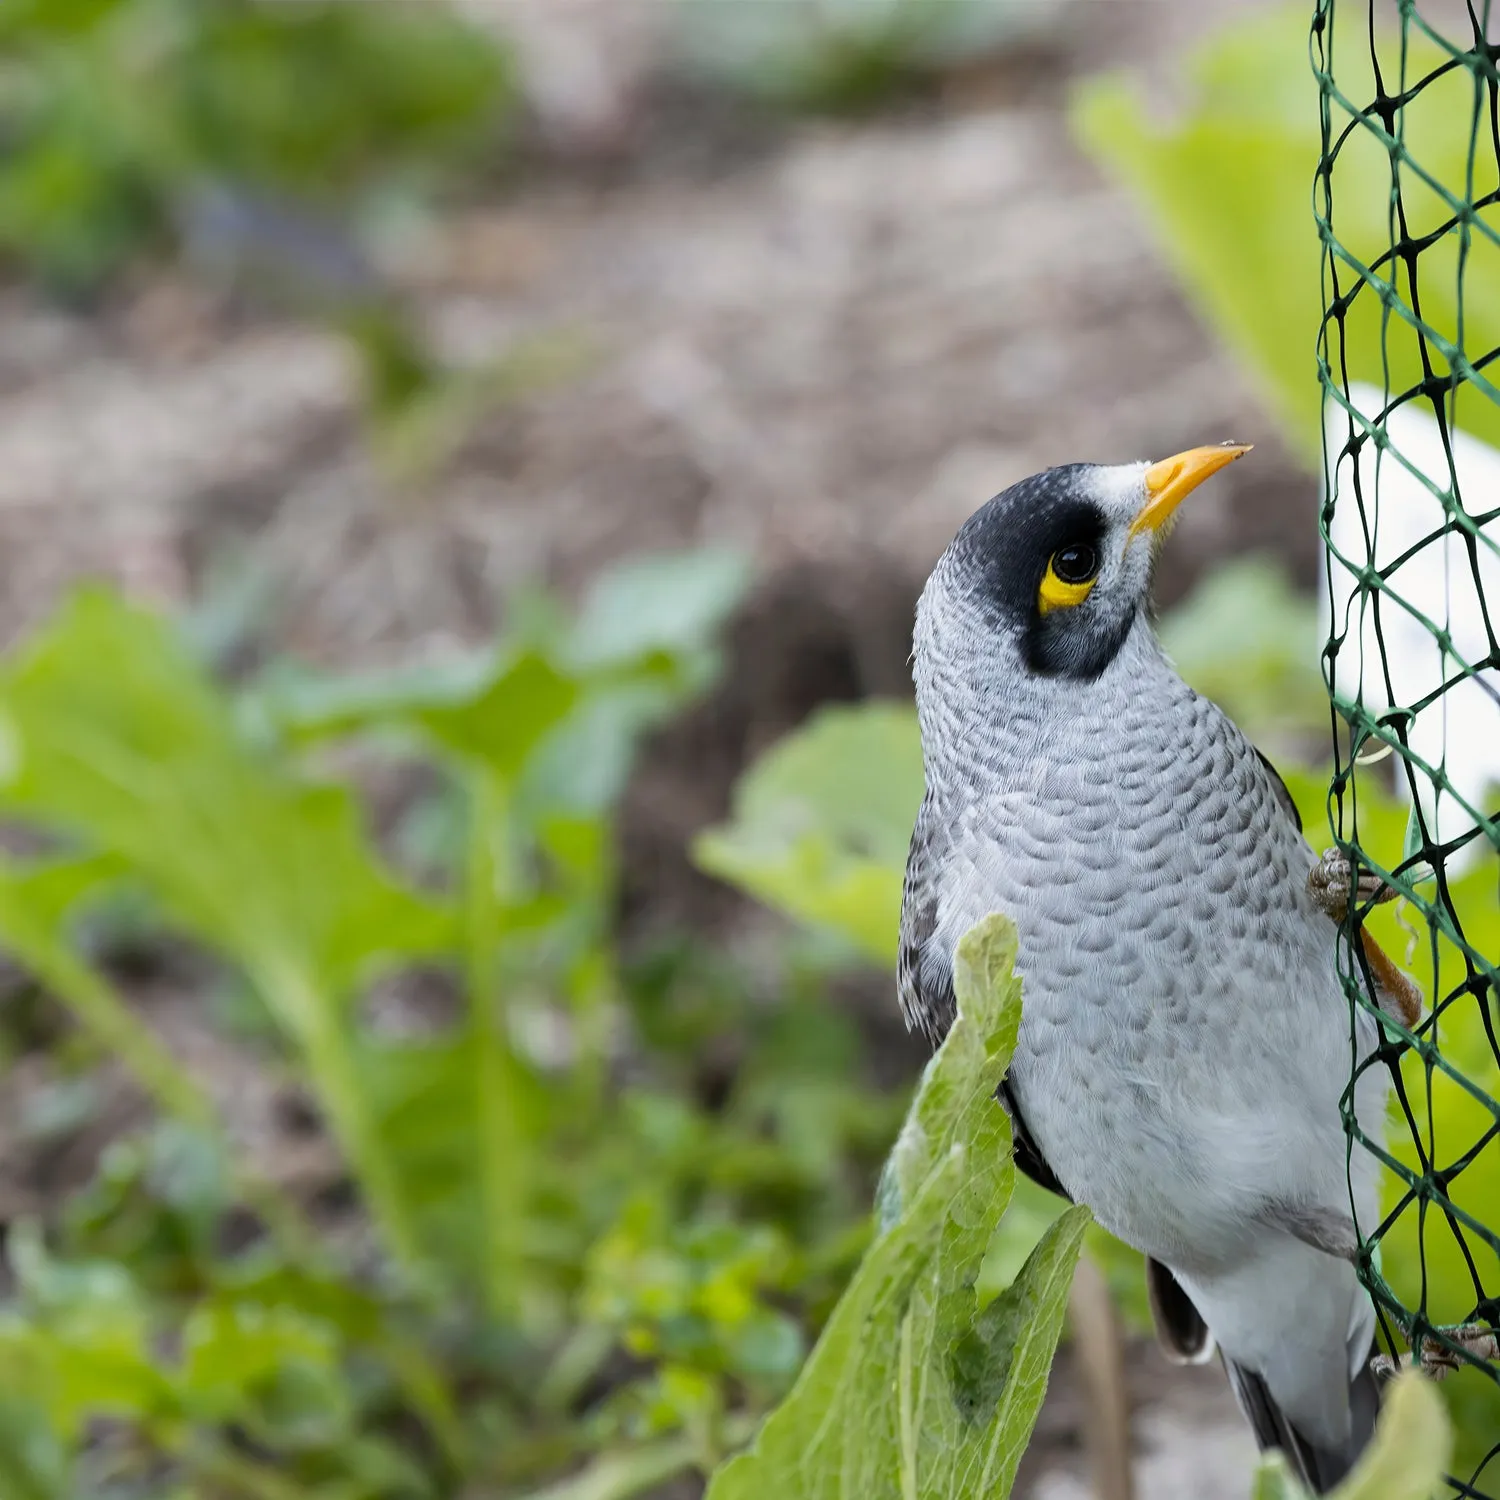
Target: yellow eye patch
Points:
(1069, 579)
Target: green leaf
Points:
(495, 706)
(645, 645)
(33, 1465)
(37, 902)
(1412, 1449)
(424, 1097)
(670, 603)
(366, 1322)
(230, 1348)
(125, 746)
(821, 824)
(79, 1342)
(1274, 1480)
(913, 1389)
(567, 709)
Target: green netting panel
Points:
(1407, 197)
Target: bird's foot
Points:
(1328, 885)
(1477, 1341)
(1396, 993)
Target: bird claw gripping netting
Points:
(1407, 197)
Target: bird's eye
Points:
(1069, 578)
(1075, 564)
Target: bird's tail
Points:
(1319, 1469)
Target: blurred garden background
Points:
(448, 1031)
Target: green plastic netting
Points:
(1407, 197)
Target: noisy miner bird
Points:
(1184, 1038)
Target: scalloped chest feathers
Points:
(1183, 1026)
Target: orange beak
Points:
(1170, 482)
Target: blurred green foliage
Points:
(115, 114)
(572, 1264)
(267, 145)
(821, 824)
(1224, 176)
(1247, 639)
(840, 56)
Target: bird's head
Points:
(1055, 572)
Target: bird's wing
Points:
(1180, 1329)
(1319, 1469)
(1029, 1159)
(924, 975)
(1283, 796)
(1328, 1230)
(924, 980)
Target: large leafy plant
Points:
(533, 1221)
(920, 1385)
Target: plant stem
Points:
(328, 1052)
(502, 1143)
(99, 1009)
(240, 1475)
(1099, 1347)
